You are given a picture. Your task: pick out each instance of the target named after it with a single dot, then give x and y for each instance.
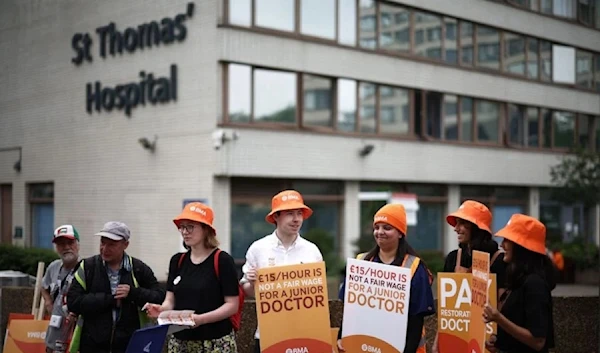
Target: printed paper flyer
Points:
(292, 306)
(377, 298)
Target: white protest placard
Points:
(376, 298)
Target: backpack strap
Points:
(181, 259)
(495, 256)
(217, 262)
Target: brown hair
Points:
(210, 237)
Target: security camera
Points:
(218, 138)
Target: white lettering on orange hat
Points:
(198, 210)
(381, 219)
(290, 197)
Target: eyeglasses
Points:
(187, 227)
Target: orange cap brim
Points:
(451, 219)
(306, 211)
(515, 238)
(189, 216)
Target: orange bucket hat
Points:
(525, 231)
(393, 214)
(474, 212)
(197, 212)
(288, 200)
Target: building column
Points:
(450, 241)
(534, 203)
(351, 227)
(221, 204)
(596, 224)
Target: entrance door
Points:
(6, 214)
(42, 224)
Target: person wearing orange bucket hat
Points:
(284, 246)
(203, 279)
(392, 248)
(524, 319)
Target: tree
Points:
(578, 178)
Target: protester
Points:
(193, 284)
(109, 290)
(390, 231)
(525, 321)
(56, 283)
(472, 223)
(284, 246)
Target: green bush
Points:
(24, 259)
(326, 244)
(584, 254)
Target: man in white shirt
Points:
(284, 246)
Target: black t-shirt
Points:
(200, 290)
(498, 266)
(528, 306)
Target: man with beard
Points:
(56, 283)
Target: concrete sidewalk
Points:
(575, 290)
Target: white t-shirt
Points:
(269, 252)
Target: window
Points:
(450, 122)
(395, 28)
(533, 126)
(466, 43)
(563, 129)
(317, 18)
(597, 69)
(347, 22)
(517, 124)
(367, 24)
(367, 92)
(394, 113)
(488, 117)
(239, 87)
(429, 42)
(318, 94)
(451, 40)
(546, 60)
(585, 11)
(488, 47)
(533, 68)
(598, 134)
(584, 69)
(274, 96)
(585, 125)
(240, 12)
(514, 53)
(41, 205)
(466, 119)
(433, 108)
(346, 120)
(275, 14)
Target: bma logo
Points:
(381, 219)
(290, 197)
(147, 348)
(371, 349)
(297, 350)
(36, 334)
(198, 210)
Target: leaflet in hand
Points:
(179, 319)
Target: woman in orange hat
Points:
(525, 322)
(193, 284)
(391, 248)
(472, 223)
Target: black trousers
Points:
(256, 346)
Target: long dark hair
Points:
(403, 249)
(524, 263)
(481, 240)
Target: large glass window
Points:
(394, 110)
(450, 122)
(367, 93)
(546, 60)
(318, 100)
(488, 47)
(517, 124)
(451, 40)
(275, 14)
(533, 126)
(240, 12)
(367, 26)
(346, 120)
(466, 119)
(428, 35)
(434, 102)
(584, 126)
(274, 96)
(584, 65)
(317, 18)
(564, 129)
(239, 93)
(533, 57)
(347, 22)
(514, 53)
(488, 117)
(395, 28)
(466, 43)
(597, 69)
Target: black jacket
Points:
(99, 335)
